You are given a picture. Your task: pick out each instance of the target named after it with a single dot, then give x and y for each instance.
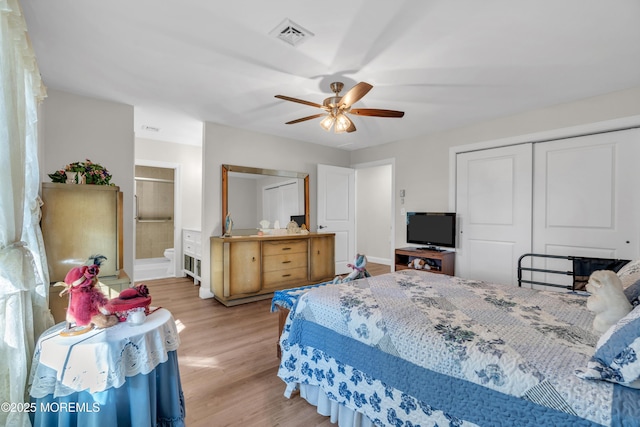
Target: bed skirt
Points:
(345, 417)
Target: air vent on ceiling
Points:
(290, 32)
(150, 128)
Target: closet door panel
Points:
(493, 203)
(491, 191)
(586, 201)
(579, 186)
(491, 260)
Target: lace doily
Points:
(102, 358)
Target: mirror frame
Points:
(258, 171)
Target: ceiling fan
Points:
(336, 108)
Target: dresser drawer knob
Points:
(286, 262)
(286, 275)
(286, 249)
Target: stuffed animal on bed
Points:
(86, 301)
(607, 299)
(359, 270)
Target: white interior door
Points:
(493, 204)
(586, 199)
(336, 211)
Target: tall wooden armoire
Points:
(80, 220)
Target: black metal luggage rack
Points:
(582, 269)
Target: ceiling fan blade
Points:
(299, 101)
(355, 94)
(374, 112)
(304, 119)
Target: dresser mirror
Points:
(253, 195)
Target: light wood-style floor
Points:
(228, 363)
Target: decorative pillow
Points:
(630, 277)
(617, 356)
(633, 294)
(630, 273)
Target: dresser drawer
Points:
(191, 242)
(284, 261)
(283, 246)
(274, 279)
(191, 236)
(189, 248)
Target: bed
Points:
(414, 349)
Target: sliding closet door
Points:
(493, 202)
(586, 199)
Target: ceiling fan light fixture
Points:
(342, 123)
(336, 108)
(327, 122)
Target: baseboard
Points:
(378, 260)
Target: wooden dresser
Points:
(250, 268)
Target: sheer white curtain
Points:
(24, 312)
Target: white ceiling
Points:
(446, 63)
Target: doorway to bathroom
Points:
(154, 222)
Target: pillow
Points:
(629, 273)
(633, 294)
(617, 355)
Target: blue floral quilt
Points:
(421, 349)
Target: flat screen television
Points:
(432, 229)
(299, 219)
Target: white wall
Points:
(226, 145)
(75, 128)
(189, 160)
(373, 213)
(422, 163)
